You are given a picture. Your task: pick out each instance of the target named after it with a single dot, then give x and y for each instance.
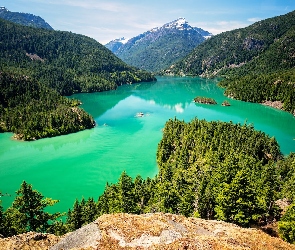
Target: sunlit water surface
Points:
(79, 165)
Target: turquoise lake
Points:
(79, 165)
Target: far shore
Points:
(275, 104)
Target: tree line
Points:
(32, 110)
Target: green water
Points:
(80, 164)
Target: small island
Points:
(204, 100)
(225, 103)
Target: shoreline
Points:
(276, 105)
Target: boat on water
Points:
(139, 114)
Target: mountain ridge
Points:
(158, 47)
(26, 19)
(232, 49)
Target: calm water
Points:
(80, 164)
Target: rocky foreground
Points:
(150, 231)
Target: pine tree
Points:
(74, 220)
(30, 205)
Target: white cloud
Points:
(254, 19)
(89, 4)
(220, 26)
(94, 5)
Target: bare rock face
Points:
(166, 231)
(85, 237)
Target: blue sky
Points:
(105, 20)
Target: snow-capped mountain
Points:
(159, 47)
(114, 45)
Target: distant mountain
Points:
(116, 44)
(240, 48)
(257, 62)
(158, 48)
(24, 19)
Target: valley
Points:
(116, 139)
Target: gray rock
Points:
(87, 236)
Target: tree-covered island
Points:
(204, 100)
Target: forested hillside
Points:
(32, 110)
(67, 62)
(24, 19)
(264, 50)
(158, 48)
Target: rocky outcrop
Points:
(166, 231)
(29, 241)
(274, 104)
(149, 231)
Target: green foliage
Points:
(14, 222)
(31, 205)
(215, 170)
(47, 64)
(27, 213)
(24, 19)
(278, 86)
(1, 220)
(286, 174)
(233, 49)
(32, 110)
(82, 213)
(287, 225)
(205, 100)
(212, 170)
(67, 62)
(126, 196)
(224, 171)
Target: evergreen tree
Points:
(126, 197)
(89, 211)
(74, 219)
(1, 220)
(287, 225)
(29, 206)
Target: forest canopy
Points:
(66, 62)
(31, 110)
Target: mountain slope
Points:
(24, 19)
(235, 48)
(116, 44)
(65, 61)
(266, 47)
(160, 47)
